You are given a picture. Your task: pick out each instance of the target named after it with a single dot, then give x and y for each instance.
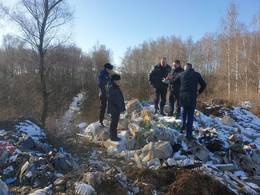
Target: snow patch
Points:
(31, 129)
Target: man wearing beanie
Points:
(103, 80)
(116, 105)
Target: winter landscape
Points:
(153, 157)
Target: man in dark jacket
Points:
(174, 98)
(116, 105)
(103, 81)
(156, 78)
(189, 80)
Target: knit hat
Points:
(108, 66)
(115, 77)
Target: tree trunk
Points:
(247, 63)
(247, 78)
(236, 61)
(228, 66)
(258, 62)
(45, 99)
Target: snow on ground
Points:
(235, 119)
(213, 150)
(31, 129)
(73, 110)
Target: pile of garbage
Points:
(152, 157)
(226, 148)
(28, 162)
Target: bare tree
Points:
(40, 21)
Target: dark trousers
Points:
(113, 125)
(103, 106)
(187, 119)
(174, 100)
(160, 93)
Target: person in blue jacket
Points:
(116, 105)
(189, 81)
(103, 81)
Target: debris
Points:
(60, 184)
(98, 132)
(200, 152)
(226, 167)
(256, 156)
(62, 162)
(123, 124)
(133, 105)
(84, 189)
(9, 170)
(27, 143)
(235, 138)
(227, 120)
(31, 129)
(160, 150)
(246, 105)
(154, 163)
(134, 128)
(82, 125)
(44, 191)
(6, 146)
(225, 148)
(93, 178)
(4, 190)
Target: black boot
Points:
(170, 113)
(115, 139)
(162, 111)
(183, 128)
(156, 110)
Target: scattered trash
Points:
(226, 148)
(84, 189)
(4, 190)
(28, 160)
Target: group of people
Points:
(182, 84)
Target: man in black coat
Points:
(156, 78)
(116, 105)
(189, 80)
(103, 81)
(174, 98)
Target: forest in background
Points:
(229, 60)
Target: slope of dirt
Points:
(177, 181)
(189, 182)
(149, 180)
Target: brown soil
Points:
(214, 111)
(149, 180)
(110, 186)
(256, 110)
(190, 182)
(174, 181)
